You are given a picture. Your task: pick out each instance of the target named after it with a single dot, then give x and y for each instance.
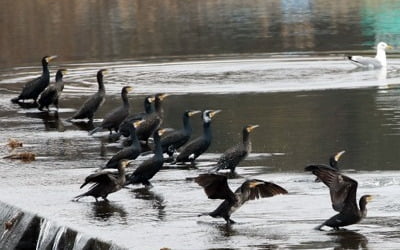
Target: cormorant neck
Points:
(121, 172)
(333, 162)
(59, 76)
(157, 144)
(59, 81)
(125, 100)
(100, 81)
(363, 206)
(134, 138)
(186, 123)
(207, 129)
(158, 107)
(148, 108)
(45, 69)
(246, 137)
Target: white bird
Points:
(378, 61)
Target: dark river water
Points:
(279, 64)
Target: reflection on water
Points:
(104, 210)
(50, 120)
(340, 239)
(107, 30)
(388, 101)
(157, 201)
(347, 239)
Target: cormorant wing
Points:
(147, 127)
(173, 137)
(233, 155)
(99, 177)
(125, 153)
(32, 82)
(215, 186)
(196, 145)
(144, 167)
(259, 189)
(49, 91)
(116, 115)
(30, 86)
(90, 105)
(48, 95)
(342, 188)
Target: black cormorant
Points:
(148, 109)
(51, 94)
(333, 161)
(343, 191)
(33, 88)
(113, 119)
(176, 139)
(216, 187)
(234, 155)
(105, 182)
(131, 152)
(150, 167)
(196, 147)
(91, 105)
(152, 121)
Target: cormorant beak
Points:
(129, 89)
(338, 155)
(162, 96)
(191, 113)
(104, 72)
(214, 112)
(50, 58)
(64, 71)
(370, 198)
(151, 99)
(164, 130)
(126, 163)
(251, 127)
(137, 123)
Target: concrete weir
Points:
(24, 230)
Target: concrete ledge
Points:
(24, 230)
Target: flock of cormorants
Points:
(140, 127)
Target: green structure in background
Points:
(381, 20)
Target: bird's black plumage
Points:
(198, 146)
(105, 182)
(33, 88)
(152, 121)
(343, 192)
(113, 119)
(130, 153)
(148, 109)
(234, 155)
(94, 102)
(333, 162)
(150, 167)
(177, 138)
(216, 187)
(52, 93)
(334, 159)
